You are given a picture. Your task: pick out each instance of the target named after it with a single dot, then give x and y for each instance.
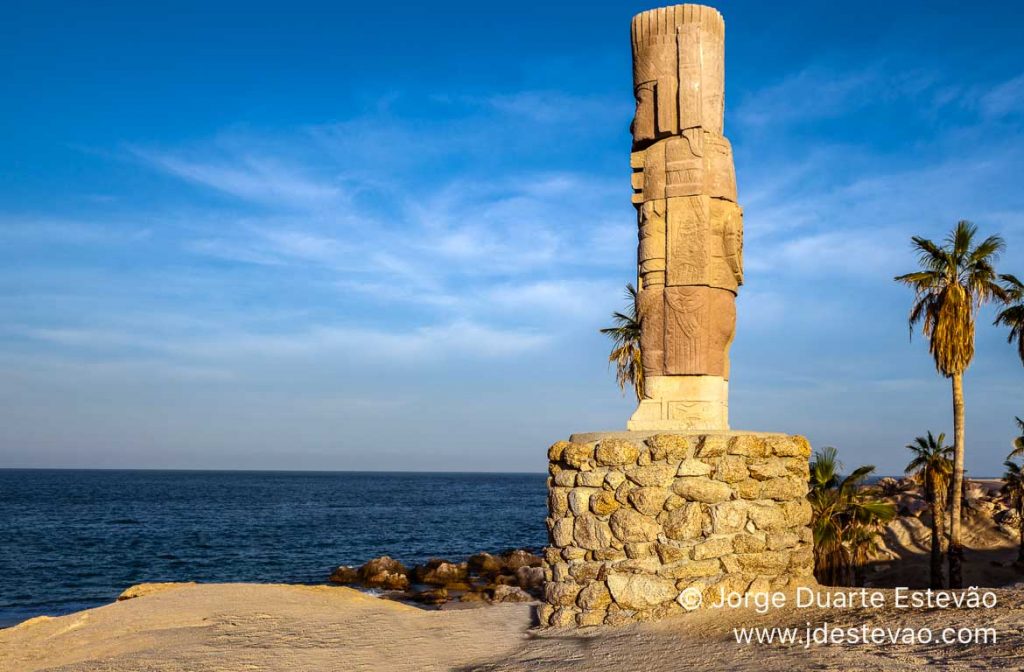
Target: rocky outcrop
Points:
(385, 573)
(345, 575)
(511, 594)
(514, 576)
(439, 572)
(637, 518)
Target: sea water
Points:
(74, 539)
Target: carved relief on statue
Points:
(688, 45)
(656, 78)
(689, 249)
(712, 83)
(719, 170)
(686, 165)
(650, 305)
(695, 414)
(651, 251)
(678, 72)
(699, 326)
(726, 264)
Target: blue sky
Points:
(330, 236)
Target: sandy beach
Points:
(245, 627)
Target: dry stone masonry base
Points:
(635, 518)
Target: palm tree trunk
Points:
(943, 527)
(956, 550)
(1020, 551)
(937, 531)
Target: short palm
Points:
(625, 354)
(933, 467)
(932, 464)
(1012, 315)
(1013, 488)
(1018, 443)
(845, 521)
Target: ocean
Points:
(74, 539)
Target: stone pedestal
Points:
(675, 403)
(636, 518)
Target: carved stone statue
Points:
(690, 256)
(726, 486)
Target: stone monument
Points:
(690, 258)
(661, 518)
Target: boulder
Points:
(592, 533)
(628, 525)
(441, 573)
(385, 573)
(577, 455)
(652, 475)
(1007, 518)
(684, 522)
(594, 596)
(604, 503)
(521, 558)
(693, 468)
(485, 564)
(344, 575)
(511, 594)
(648, 500)
(560, 594)
(615, 452)
(387, 581)
(434, 596)
(638, 591)
(530, 578)
(702, 489)
(671, 447)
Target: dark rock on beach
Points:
(344, 575)
(441, 573)
(514, 576)
(485, 564)
(385, 573)
(511, 594)
(435, 596)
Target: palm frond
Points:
(1012, 315)
(953, 280)
(626, 354)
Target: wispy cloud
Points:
(69, 232)
(820, 92)
(1003, 99)
(359, 344)
(254, 178)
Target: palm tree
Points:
(1013, 486)
(1018, 443)
(932, 467)
(955, 279)
(1013, 315)
(865, 543)
(845, 520)
(625, 353)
